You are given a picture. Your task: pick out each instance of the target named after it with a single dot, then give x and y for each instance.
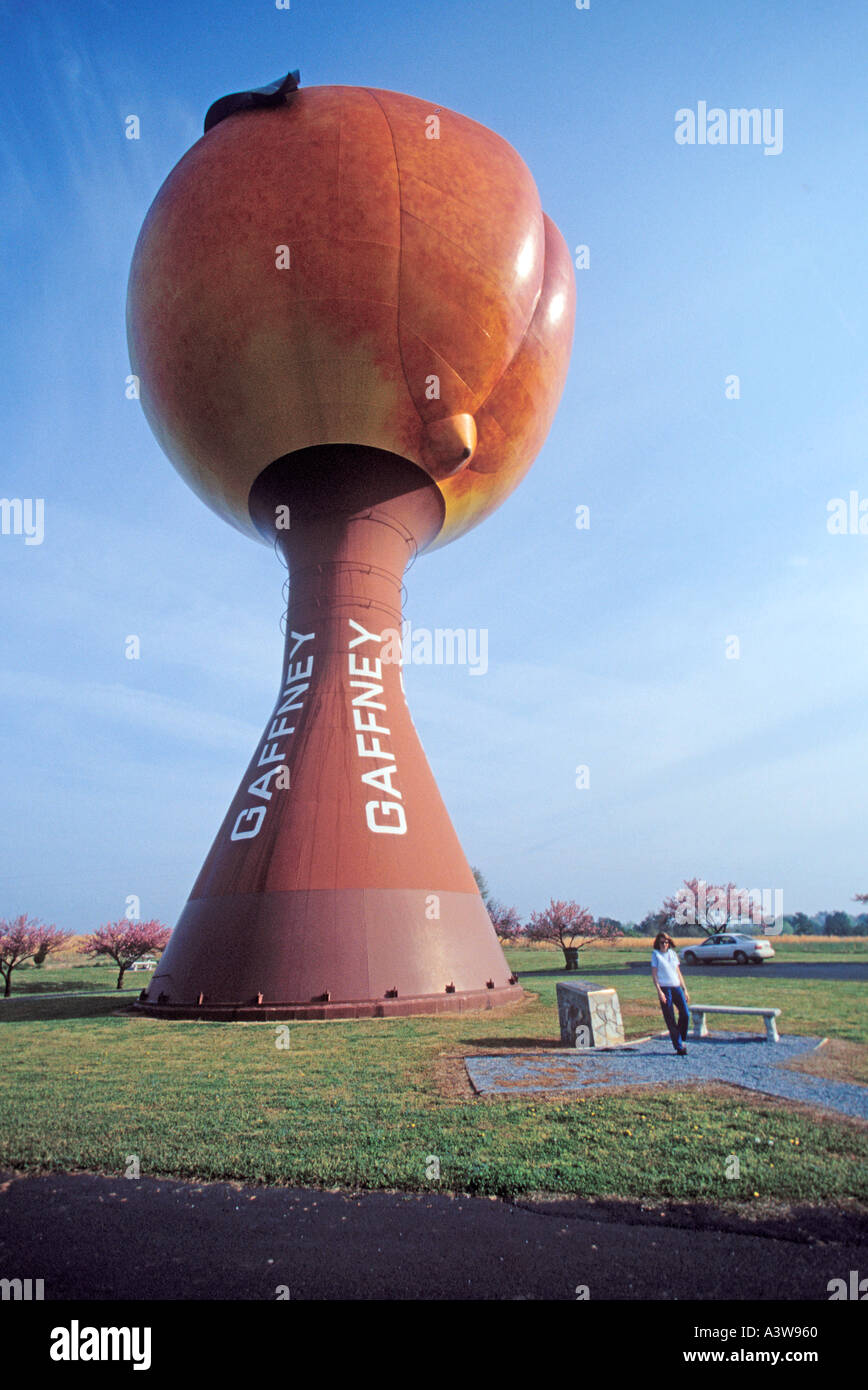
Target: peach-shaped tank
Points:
(351, 321)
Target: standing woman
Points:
(671, 990)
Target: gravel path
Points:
(727, 1057)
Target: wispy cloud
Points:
(131, 709)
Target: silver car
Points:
(729, 946)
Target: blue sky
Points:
(607, 646)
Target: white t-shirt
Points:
(666, 965)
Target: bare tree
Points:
(506, 922)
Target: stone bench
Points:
(698, 1012)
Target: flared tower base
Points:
(337, 887)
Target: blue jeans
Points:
(674, 996)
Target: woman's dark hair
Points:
(662, 941)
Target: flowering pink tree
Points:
(570, 926)
(125, 941)
(506, 922)
(23, 938)
(707, 907)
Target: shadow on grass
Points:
(514, 1044)
(45, 1008)
(806, 1224)
(561, 973)
(55, 987)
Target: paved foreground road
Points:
(109, 1238)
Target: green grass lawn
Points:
(368, 1104)
(65, 974)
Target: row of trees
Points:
(702, 908)
(27, 938)
(697, 908)
(826, 924)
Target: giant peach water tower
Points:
(351, 321)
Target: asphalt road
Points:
(786, 970)
(109, 1238)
